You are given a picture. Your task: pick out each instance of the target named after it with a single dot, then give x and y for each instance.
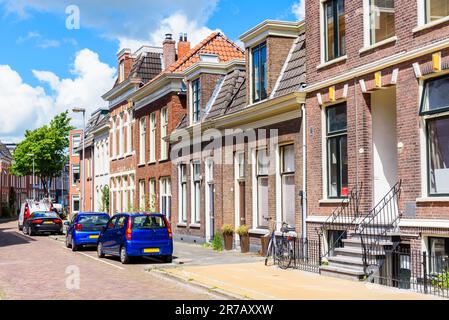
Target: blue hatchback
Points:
(137, 235)
(84, 229)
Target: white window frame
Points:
(76, 137)
(74, 198)
(122, 71)
(142, 141)
(195, 201)
(192, 102)
(280, 183)
(122, 135)
(142, 198)
(422, 24)
(165, 195)
(367, 28)
(114, 136)
(153, 132)
(182, 194)
(256, 223)
(152, 195)
(129, 139)
(323, 45)
(164, 134)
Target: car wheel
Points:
(74, 246)
(24, 230)
(20, 227)
(124, 259)
(67, 242)
(100, 252)
(30, 231)
(168, 259)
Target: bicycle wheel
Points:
(270, 252)
(284, 255)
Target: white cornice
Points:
(379, 64)
(155, 85)
(121, 88)
(214, 68)
(271, 28)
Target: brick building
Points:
(75, 139)
(376, 114)
(227, 182)
(135, 70)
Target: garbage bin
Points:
(265, 241)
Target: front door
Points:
(385, 159)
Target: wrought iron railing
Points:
(343, 219)
(376, 228)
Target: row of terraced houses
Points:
(337, 125)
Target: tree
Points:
(105, 199)
(49, 146)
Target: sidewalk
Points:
(251, 279)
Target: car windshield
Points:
(148, 222)
(44, 215)
(96, 220)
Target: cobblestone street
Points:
(41, 268)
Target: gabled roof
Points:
(5, 154)
(96, 121)
(146, 66)
(294, 72)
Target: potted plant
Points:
(228, 235)
(243, 232)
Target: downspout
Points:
(304, 172)
(356, 134)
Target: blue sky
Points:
(45, 67)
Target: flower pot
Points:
(228, 240)
(244, 243)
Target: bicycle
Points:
(281, 249)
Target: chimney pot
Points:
(169, 50)
(183, 46)
(168, 36)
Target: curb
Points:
(219, 292)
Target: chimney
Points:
(183, 46)
(169, 50)
(125, 63)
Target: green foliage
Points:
(227, 229)
(49, 146)
(105, 199)
(217, 243)
(441, 281)
(242, 231)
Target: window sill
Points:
(152, 162)
(333, 201)
(432, 199)
(140, 165)
(163, 160)
(329, 63)
(378, 44)
(262, 232)
(430, 25)
(182, 225)
(195, 226)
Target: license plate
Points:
(48, 222)
(151, 250)
(94, 237)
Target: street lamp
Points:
(34, 176)
(83, 111)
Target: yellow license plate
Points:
(151, 250)
(94, 237)
(48, 222)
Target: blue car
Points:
(137, 235)
(85, 229)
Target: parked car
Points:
(137, 235)
(43, 222)
(29, 207)
(85, 229)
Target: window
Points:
(438, 255)
(337, 154)
(334, 29)
(183, 193)
(196, 194)
(122, 135)
(435, 103)
(114, 136)
(142, 204)
(129, 133)
(121, 71)
(152, 195)
(436, 9)
(76, 141)
(382, 25)
(121, 222)
(241, 165)
(75, 203)
(262, 166)
(166, 197)
(164, 133)
(153, 137)
(76, 177)
(259, 72)
(126, 207)
(142, 136)
(196, 101)
(288, 184)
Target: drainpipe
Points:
(304, 172)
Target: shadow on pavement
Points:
(8, 238)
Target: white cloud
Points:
(26, 107)
(299, 9)
(131, 22)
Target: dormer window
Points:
(121, 71)
(259, 72)
(196, 101)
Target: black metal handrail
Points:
(375, 226)
(342, 217)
